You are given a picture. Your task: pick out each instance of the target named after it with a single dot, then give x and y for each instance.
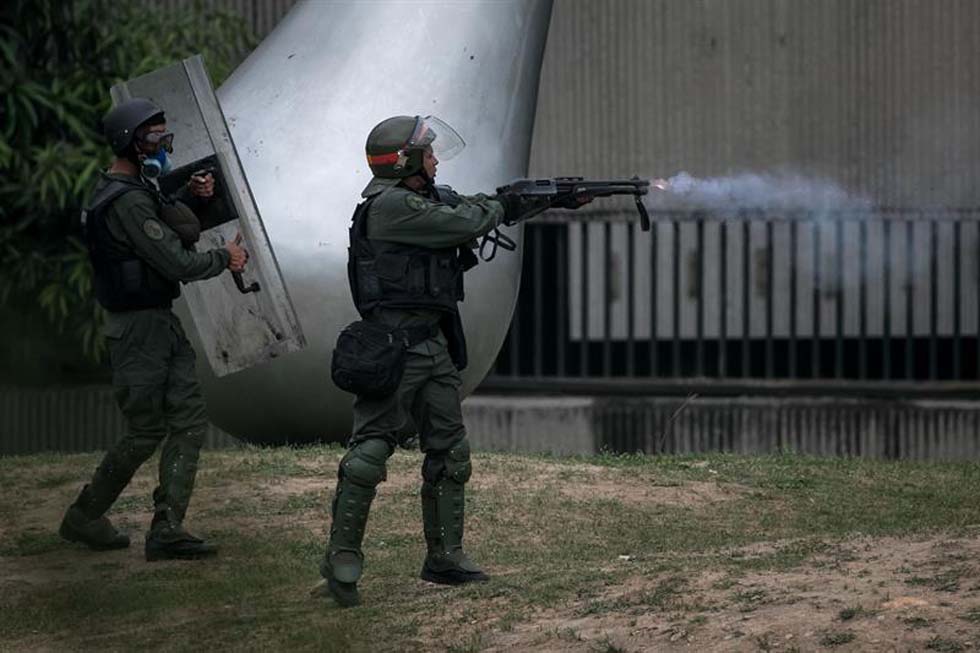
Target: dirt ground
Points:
(859, 594)
(867, 595)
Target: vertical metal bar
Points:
(676, 353)
(839, 298)
(537, 278)
(514, 355)
(746, 250)
(886, 338)
(630, 301)
(815, 353)
(699, 354)
(863, 299)
(933, 298)
(654, 300)
(909, 298)
(584, 345)
(957, 289)
(770, 354)
(723, 293)
(562, 299)
(793, 261)
(607, 299)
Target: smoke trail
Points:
(766, 192)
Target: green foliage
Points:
(58, 59)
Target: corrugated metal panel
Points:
(915, 430)
(68, 419)
(879, 95)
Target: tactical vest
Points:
(123, 281)
(394, 275)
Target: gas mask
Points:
(156, 165)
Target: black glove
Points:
(513, 207)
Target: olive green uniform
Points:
(153, 374)
(402, 216)
(427, 397)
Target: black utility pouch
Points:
(369, 358)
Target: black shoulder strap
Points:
(358, 242)
(111, 191)
(103, 197)
(447, 195)
(359, 221)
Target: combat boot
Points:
(167, 540)
(343, 562)
(94, 531)
(442, 517)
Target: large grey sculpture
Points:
(299, 109)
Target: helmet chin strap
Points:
(429, 185)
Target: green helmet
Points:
(121, 122)
(395, 146)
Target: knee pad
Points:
(193, 438)
(453, 464)
(458, 465)
(364, 464)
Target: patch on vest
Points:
(153, 230)
(415, 202)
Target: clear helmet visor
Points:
(445, 142)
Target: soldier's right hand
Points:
(236, 263)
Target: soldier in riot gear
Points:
(411, 243)
(141, 243)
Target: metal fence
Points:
(878, 302)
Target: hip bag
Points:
(369, 358)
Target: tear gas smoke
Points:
(765, 192)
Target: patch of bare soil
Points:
(289, 502)
(866, 594)
(591, 482)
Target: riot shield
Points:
(242, 319)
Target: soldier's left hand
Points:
(201, 186)
(573, 201)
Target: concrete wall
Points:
(86, 419)
(880, 95)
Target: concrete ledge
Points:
(558, 425)
(86, 419)
(837, 426)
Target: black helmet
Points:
(121, 122)
(395, 146)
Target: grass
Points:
(545, 545)
(944, 645)
(836, 638)
(854, 612)
(29, 543)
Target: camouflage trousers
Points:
(156, 388)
